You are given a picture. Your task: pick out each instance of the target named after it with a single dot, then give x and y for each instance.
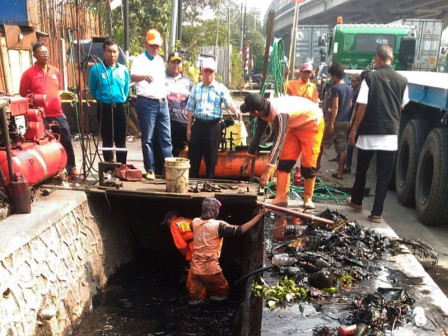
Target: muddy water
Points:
(148, 297)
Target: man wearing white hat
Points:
(148, 73)
(204, 116)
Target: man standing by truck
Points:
(382, 95)
(302, 86)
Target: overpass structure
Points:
(325, 12)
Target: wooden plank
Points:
(6, 67)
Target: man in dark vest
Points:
(381, 98)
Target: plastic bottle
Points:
(418, 313)
(283, 259)
(347, 330)
(297, 178)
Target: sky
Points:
(262, 5)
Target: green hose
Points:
(275, 75)
(322, 191)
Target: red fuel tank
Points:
(36, 162)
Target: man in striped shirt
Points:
(298, 129)
(204, 116)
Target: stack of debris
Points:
(319, 264)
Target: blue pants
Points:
(153, 114)
(384, 170)
(65, 139)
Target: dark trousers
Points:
(178, 136)
(384, 171)
(113, 129)
(65, 140)
(204, 141)
(178, 139)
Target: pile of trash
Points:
(318, 263)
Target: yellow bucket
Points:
(176, 175)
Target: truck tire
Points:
(409, 148)
(431, 189)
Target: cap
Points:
(306, 67)
(168, 215)
(174, 56)
(153, 37)
(209, 63)
(356, 77)
(254, 101)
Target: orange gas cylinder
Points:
(228, 165)
(35, 162)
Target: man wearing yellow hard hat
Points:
(148, 73)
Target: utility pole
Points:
(293, 37)
(229, 52)
(109, 18)
(173, 28)
(179, 19)
(126, 29)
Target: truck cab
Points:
(354, 45)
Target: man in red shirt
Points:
(43, 78)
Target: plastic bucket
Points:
(176, 175)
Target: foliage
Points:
(189, 69)
(282, 292)
(237, 76)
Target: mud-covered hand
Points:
(245, 165)
(266, 176)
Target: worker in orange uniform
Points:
(181, 232)
(302, 87)
(298, 126)
(205, 276)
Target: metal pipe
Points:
(296, 213)
(5, 130)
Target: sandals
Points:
(374, 219)
(335, 175)
(356, 207)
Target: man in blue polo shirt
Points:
(109, 85)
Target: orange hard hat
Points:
(153, 37)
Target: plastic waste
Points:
(418, 313)
(283, 259)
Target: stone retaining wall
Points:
(53, 261)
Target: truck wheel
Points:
(409, 148)
(431, 189)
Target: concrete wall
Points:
(54, 260)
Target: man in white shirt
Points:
(381, 98)
(148, 73)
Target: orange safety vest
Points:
(182, 236)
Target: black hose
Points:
(264, 268)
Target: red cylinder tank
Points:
(228, 165)
(36, 162)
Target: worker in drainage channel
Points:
(181, 231)
(298, 126)
(206, 276)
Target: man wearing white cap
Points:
(204, 116)
(148, 73)
(302, 87)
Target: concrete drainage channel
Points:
(147, 295)
(101, 264)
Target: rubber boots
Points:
(308, 193)
(283, 180)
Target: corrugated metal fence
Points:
(224, 64)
